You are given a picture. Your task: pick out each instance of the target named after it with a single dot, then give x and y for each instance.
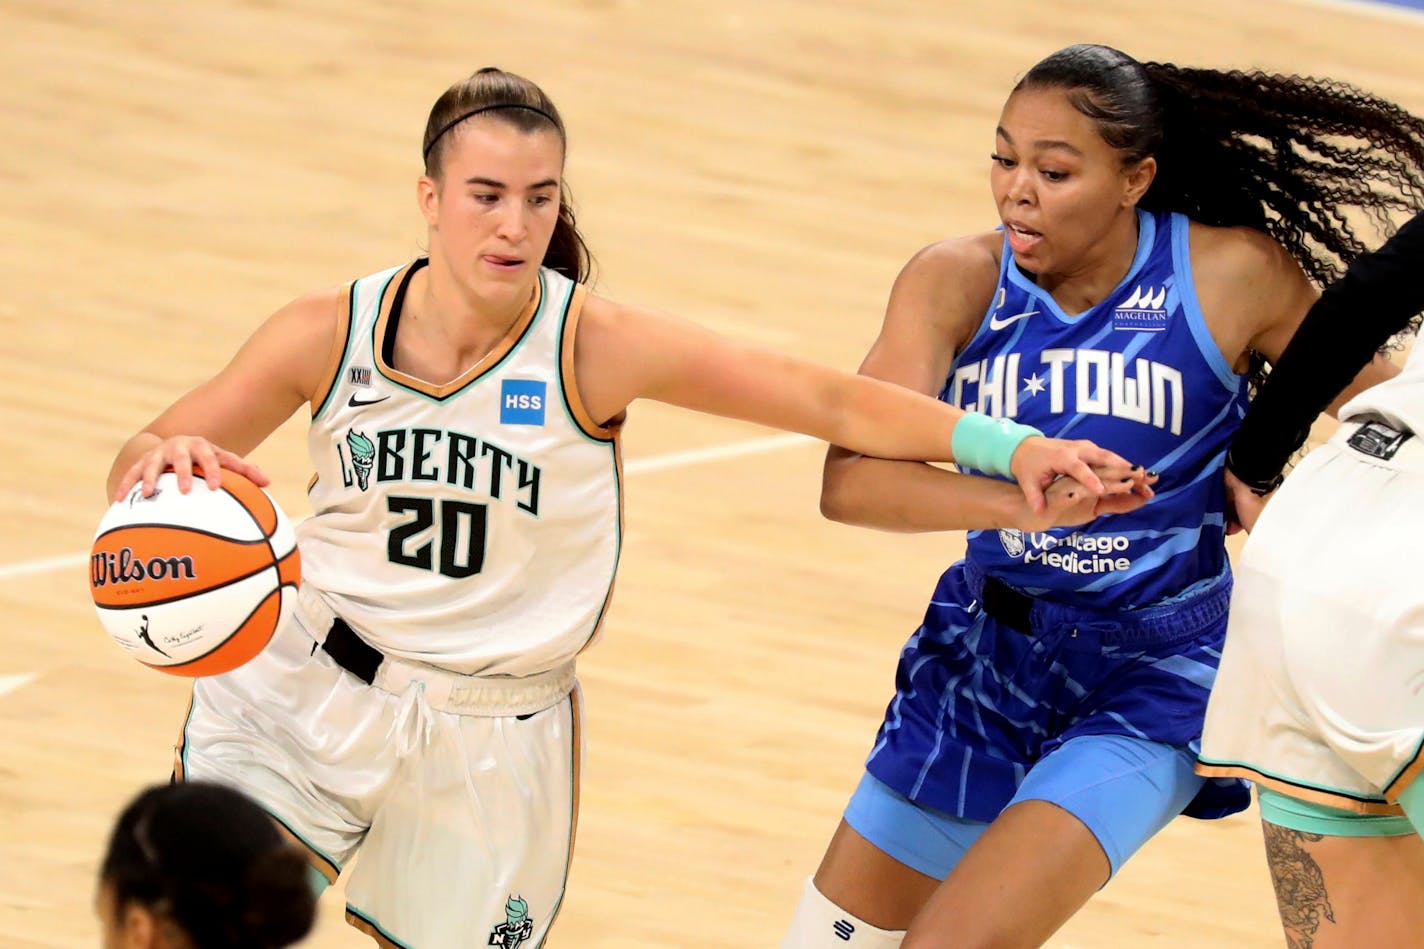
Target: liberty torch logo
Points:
(516, 928)
(363, 456)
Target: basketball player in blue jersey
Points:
(1049, 707)
(465, 416)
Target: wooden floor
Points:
(171, 172)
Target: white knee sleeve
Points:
(821, 924)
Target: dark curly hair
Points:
(1311, 162)
(209, 859)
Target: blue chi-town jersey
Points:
(1139, 374)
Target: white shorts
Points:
(464, 822)
(1320, 694)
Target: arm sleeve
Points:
(1348, 324)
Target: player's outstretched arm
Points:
(625, 353)
(937, 304)
(216, 424)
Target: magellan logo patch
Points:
(522, 401)
(1143, 312)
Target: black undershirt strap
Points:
(1354, 317)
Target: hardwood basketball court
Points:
(173, 172)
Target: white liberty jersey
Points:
(1399, 401)
(473, 525)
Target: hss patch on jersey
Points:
(521, 402)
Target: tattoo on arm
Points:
(1301, 896)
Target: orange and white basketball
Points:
(195, 584)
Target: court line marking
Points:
(11, 683)
(697, 456)
(30, 567)
(677, 459)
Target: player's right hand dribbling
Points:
(183, 455)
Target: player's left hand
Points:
(1038, 462)
(1068, 504)
(1243, 506)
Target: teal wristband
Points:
(987, 444)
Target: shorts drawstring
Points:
(414, 721)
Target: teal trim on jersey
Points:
(1408, 763)
(1412, 800)
(617, 544)
(1294, 814)
(317, 881)
(376, 926)
(351, 336)
(559, 373)
(1308, 786)
(612, 445)
(485, 373)
(335, 868)
(315, 851)
(192, 704)
(575, 730)
(1191, 307)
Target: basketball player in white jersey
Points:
(466, 408)
(1320, 694)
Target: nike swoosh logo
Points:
(997, 324)
(355, 403)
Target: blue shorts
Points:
(979, 704)
(1124, 790)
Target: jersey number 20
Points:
(456, 518)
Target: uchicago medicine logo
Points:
(1076, 553)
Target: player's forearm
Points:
(879, 418)
(907, 496)
(1344, 329)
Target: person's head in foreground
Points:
(200, 866)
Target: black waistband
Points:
(351, 652)
(1172, 620)
(1007, 605)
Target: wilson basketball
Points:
(195, 584)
